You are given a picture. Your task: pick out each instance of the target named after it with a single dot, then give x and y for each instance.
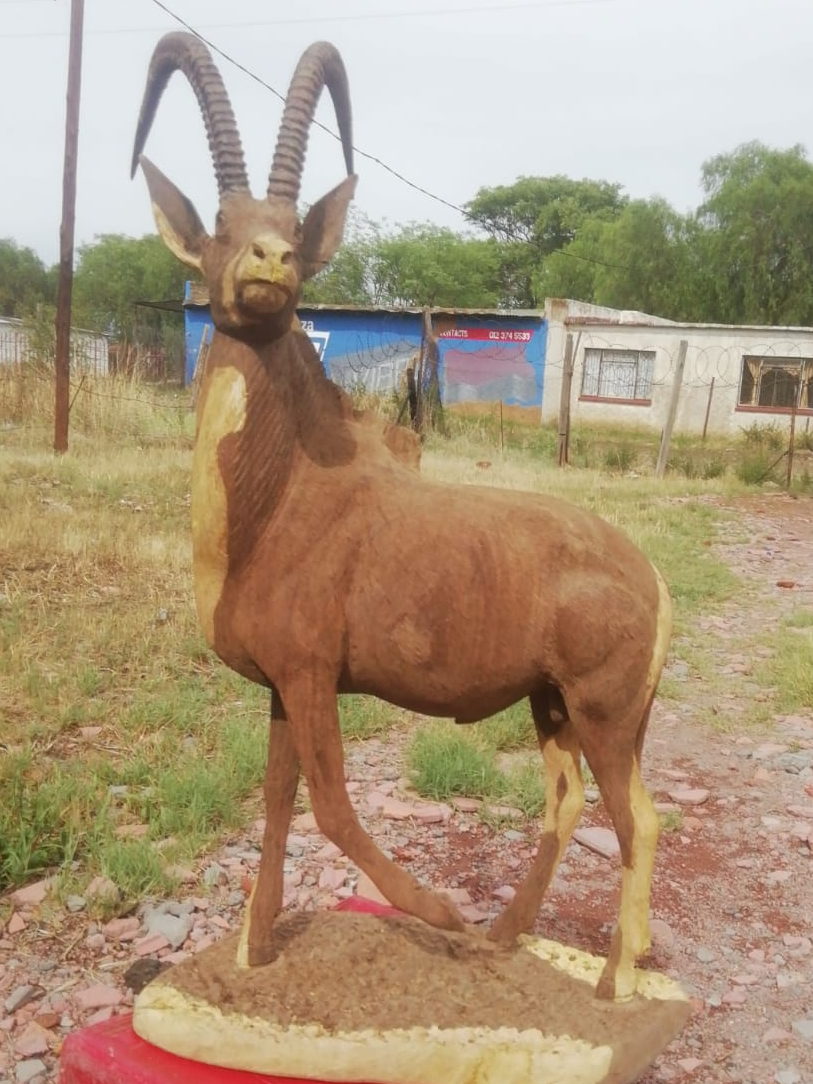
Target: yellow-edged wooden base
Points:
(358, 997)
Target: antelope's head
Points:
(260, 253)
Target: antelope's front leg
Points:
(279, 788)
(314, 722)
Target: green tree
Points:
(571, 271)
(25, 282)
(647, 261)
(114, 273)
(428, 265)
(534, 218)
(419, 264)
(756, 235)
(349, 277)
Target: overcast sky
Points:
(453, 95)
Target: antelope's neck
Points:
(264, 416)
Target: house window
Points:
(776, 383)
(623, 375)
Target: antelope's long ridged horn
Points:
(320, 66)
(184, 52)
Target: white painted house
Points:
(625, 364)
(89, 351)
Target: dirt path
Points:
(733, 893)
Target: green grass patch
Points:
(671, 688)
(671, 822)
(137, 869)
(790, 669)
(526, 786)
(48, 814)
(445, 762)
(510, 729)
(678, 540)
(799, 619)
(57, 812)
(363, 717)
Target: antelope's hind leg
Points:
(564, 802)
(616, 767)
(314, 721)
(279, 789)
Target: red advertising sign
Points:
(488, 334)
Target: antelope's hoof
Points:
(444, 914)
(258, 955)
(504, 930)
(253, 953)
(617, 985)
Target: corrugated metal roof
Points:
(657, 323)
(585, 314)
(198, 297)
(441, 310)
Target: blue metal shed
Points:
(485, 355)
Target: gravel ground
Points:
(732, 897)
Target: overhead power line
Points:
(374, 16)
(357, 150)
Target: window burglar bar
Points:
(618, 374)
(777, 383)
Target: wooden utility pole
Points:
(792, 435)
(62, 361)
(708, 409)
(663, 455)
(412, 395)
(564, 403)
(427, 379)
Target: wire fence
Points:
(705, 362)
(24, 345)
(728, 385)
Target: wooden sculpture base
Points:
(386, 999)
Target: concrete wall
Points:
(715, 353)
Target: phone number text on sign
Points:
(484, 334)
(510, 336)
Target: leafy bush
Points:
(755, 468)
(697, 465)
(713, 468)
(763, 435)
(621, 458)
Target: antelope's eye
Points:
(298, 233)
(220, 222)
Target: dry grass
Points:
(114, 712)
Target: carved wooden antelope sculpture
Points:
(323, 565)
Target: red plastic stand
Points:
(112, 1053)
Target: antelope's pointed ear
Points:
(324, 225)
(177, 220)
